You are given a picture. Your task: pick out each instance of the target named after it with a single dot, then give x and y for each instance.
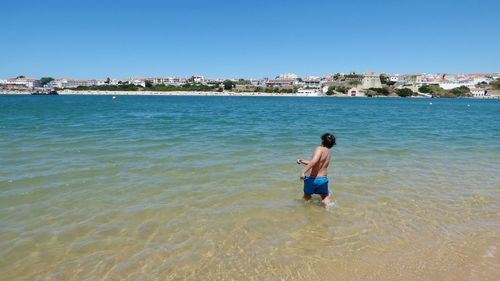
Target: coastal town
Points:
(368, 84)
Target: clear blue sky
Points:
(251, 39)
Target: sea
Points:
(207, 188)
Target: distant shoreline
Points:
(173, 93)
(200, 93)
(179, 93)
(165, 93)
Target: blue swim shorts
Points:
(317, 185)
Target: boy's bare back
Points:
(320, 169)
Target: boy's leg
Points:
(325, 198)
(307, 191)
(325, 194)
(307, 197)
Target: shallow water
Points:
(206, 188)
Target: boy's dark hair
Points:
(328, 140)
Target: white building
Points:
(310, 77)
(24, 82)
(56, 83)
(356, 92)
(311, 83)
(451, 85)
(137, 82)
(72, 83)
(308, 92)
(214, 80)
(107, 82)
(394, 78)
(287, 76)
(197, 79)
(281, 83)
(162, 80)
(477, 92)
(485, 79)
(415, 79)
(258, 82)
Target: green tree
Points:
(482, 84)
(380, 91)
(45, 80)
(384, 79)
(353, 76)
(435, 90)
(460, 91)
(20, 76)
(148, 83)
(342, 89)
(405, 92)
(495, 84)
(228, 84)
(129, 87)
(426, 89)
(330, 91)
(333, 88)
(242, 81)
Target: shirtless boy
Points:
(315, 173)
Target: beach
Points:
(157, 93)
(494, 95)
(207, 188)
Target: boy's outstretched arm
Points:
(303, 161)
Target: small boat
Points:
(49, 93)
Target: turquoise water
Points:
(175, 188)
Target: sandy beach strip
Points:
(202, 93)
